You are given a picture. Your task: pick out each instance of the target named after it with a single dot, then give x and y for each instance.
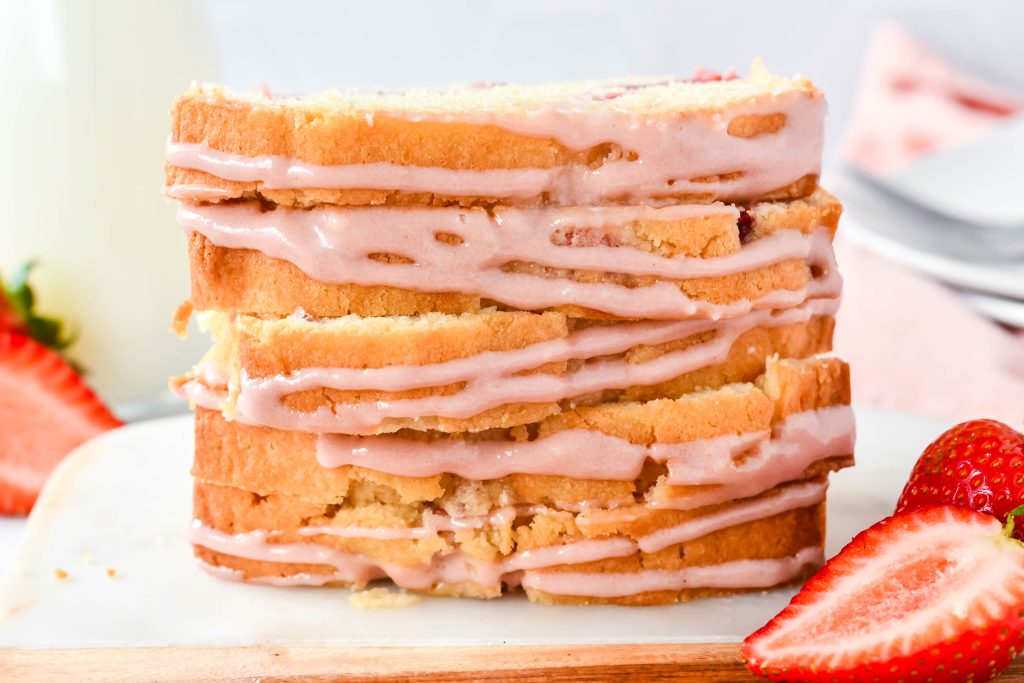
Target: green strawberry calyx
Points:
(21, 315)
(1011, 522)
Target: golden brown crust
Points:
(744, 362)
(237, 511)
(272, 461)
(791, 275)
(247, 281)
(270, 347)
(442, 127)
(796, 385)
(349, 129)
(266, 348)
(231, 190)
(820, 210)
(331, 137)
(260, 479)
(779, 536)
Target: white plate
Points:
(1002, 279)
(123, 501)
(1006, 311)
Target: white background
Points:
(302, 47)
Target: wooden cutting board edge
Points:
(711, 663)
(705, 662)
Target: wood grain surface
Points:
(709, 663)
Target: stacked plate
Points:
(955, 215)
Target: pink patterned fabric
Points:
(911, 102)
(912, 343)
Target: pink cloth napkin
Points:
(911, 102)
(913, 344)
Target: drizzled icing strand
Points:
(491, 378)
(660, 156)
(453, 567)
(800, 440)
(741, 512)
(335, 244)
(457, 567)
(736, 574)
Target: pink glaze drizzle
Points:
(454, 567)
(334, 244)
(491, 378)
(608, 457)
(197, 193)
(744, 511)
(737, 574)
(210, 374)
(671, 151)
(457, 567)
(800, 440)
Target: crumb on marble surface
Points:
(60, 573)
(379, 598)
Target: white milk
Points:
(86, 89)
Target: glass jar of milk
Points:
(86, 88)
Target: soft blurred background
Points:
(87, 84)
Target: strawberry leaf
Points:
(20, 302)
(1011, 520)
(19, 293)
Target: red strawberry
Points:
(977, 465)
(934, 594)
(45, 411)
(9, 318)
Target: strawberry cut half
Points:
(46, 410)
(933, 594)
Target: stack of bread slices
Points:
(565, 338)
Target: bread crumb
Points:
(378, 598)
(179, 323)
(111, 572)
(60, 573)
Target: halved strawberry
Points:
(977, 464)
(45, 411)
(934, 594)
